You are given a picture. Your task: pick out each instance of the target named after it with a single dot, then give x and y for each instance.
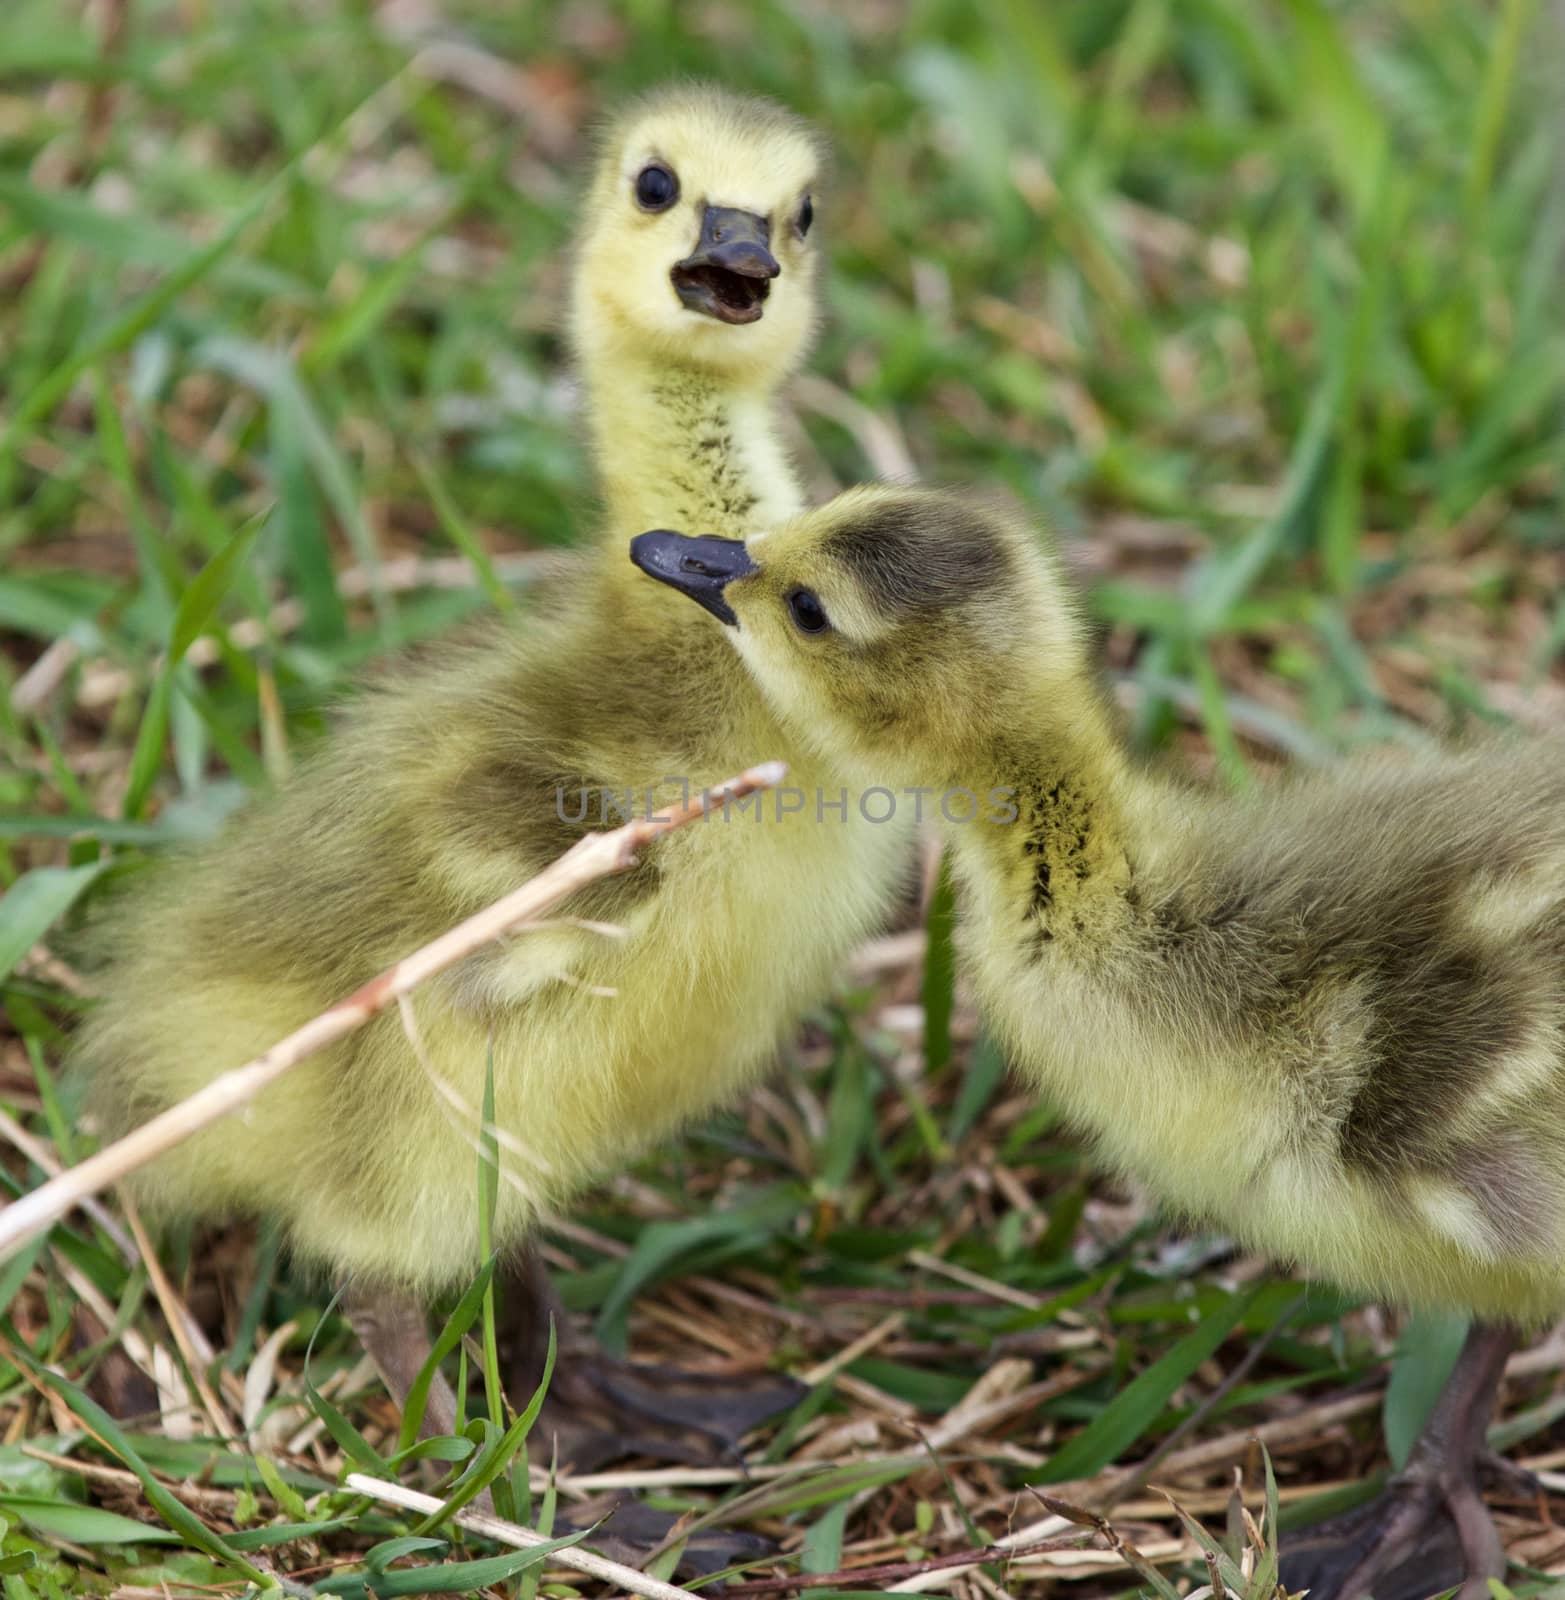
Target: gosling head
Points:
(901, 630)
(697, 246)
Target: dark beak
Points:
(729, 275)
(698, 567)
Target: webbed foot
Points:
(1430, 1531)
(1417, 1540)
(667, 1413)
(601, 1409)
(630, 1531)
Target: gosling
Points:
(1329, 1017)
(458, 777)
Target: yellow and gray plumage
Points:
(1328, 1015)
(457, 776)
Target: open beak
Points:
(730, 272)
(698, 567)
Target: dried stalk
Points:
(899, 1571)
(598, 855)
(520, 1538)
(177, 1314)
(41, 1156)
(1139, 1476)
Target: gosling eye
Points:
(809, 615)
(806, 216)
(656, 188)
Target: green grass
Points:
(1258, 305)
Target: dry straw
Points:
(598, 855)
(512, 1533)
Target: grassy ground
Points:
(1260, 305)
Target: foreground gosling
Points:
(1329, 1017)
(461, 775)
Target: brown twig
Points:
(876, 433)
(198, 1496)
(1214, 1577)
(1105, 1530)
(598, 855)
(896, 1571)
(180, 1323)
(42, 1157)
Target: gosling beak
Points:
(730, 273)
(698, 567)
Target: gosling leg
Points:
(1430, 1530)
(395, 1334)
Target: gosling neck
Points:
(1046, 859)
(683, 447)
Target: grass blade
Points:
(1426, 1354)
(180, 1518)
(461, 1319)
(1494, 101)
(131, 322)
(201, 598)
(34, 903)
(1143, 1402)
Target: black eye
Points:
(806, 216)
(808, 614)
(656, 188)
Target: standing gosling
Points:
(461, 775)
(1329, 1017)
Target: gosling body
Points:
(455, 779)
(1328, 1016)
(453, 784)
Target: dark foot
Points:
(601, 1409)
(1503, 1480)
(1417, 1540)
(630, 1532)
(1430, 1531)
